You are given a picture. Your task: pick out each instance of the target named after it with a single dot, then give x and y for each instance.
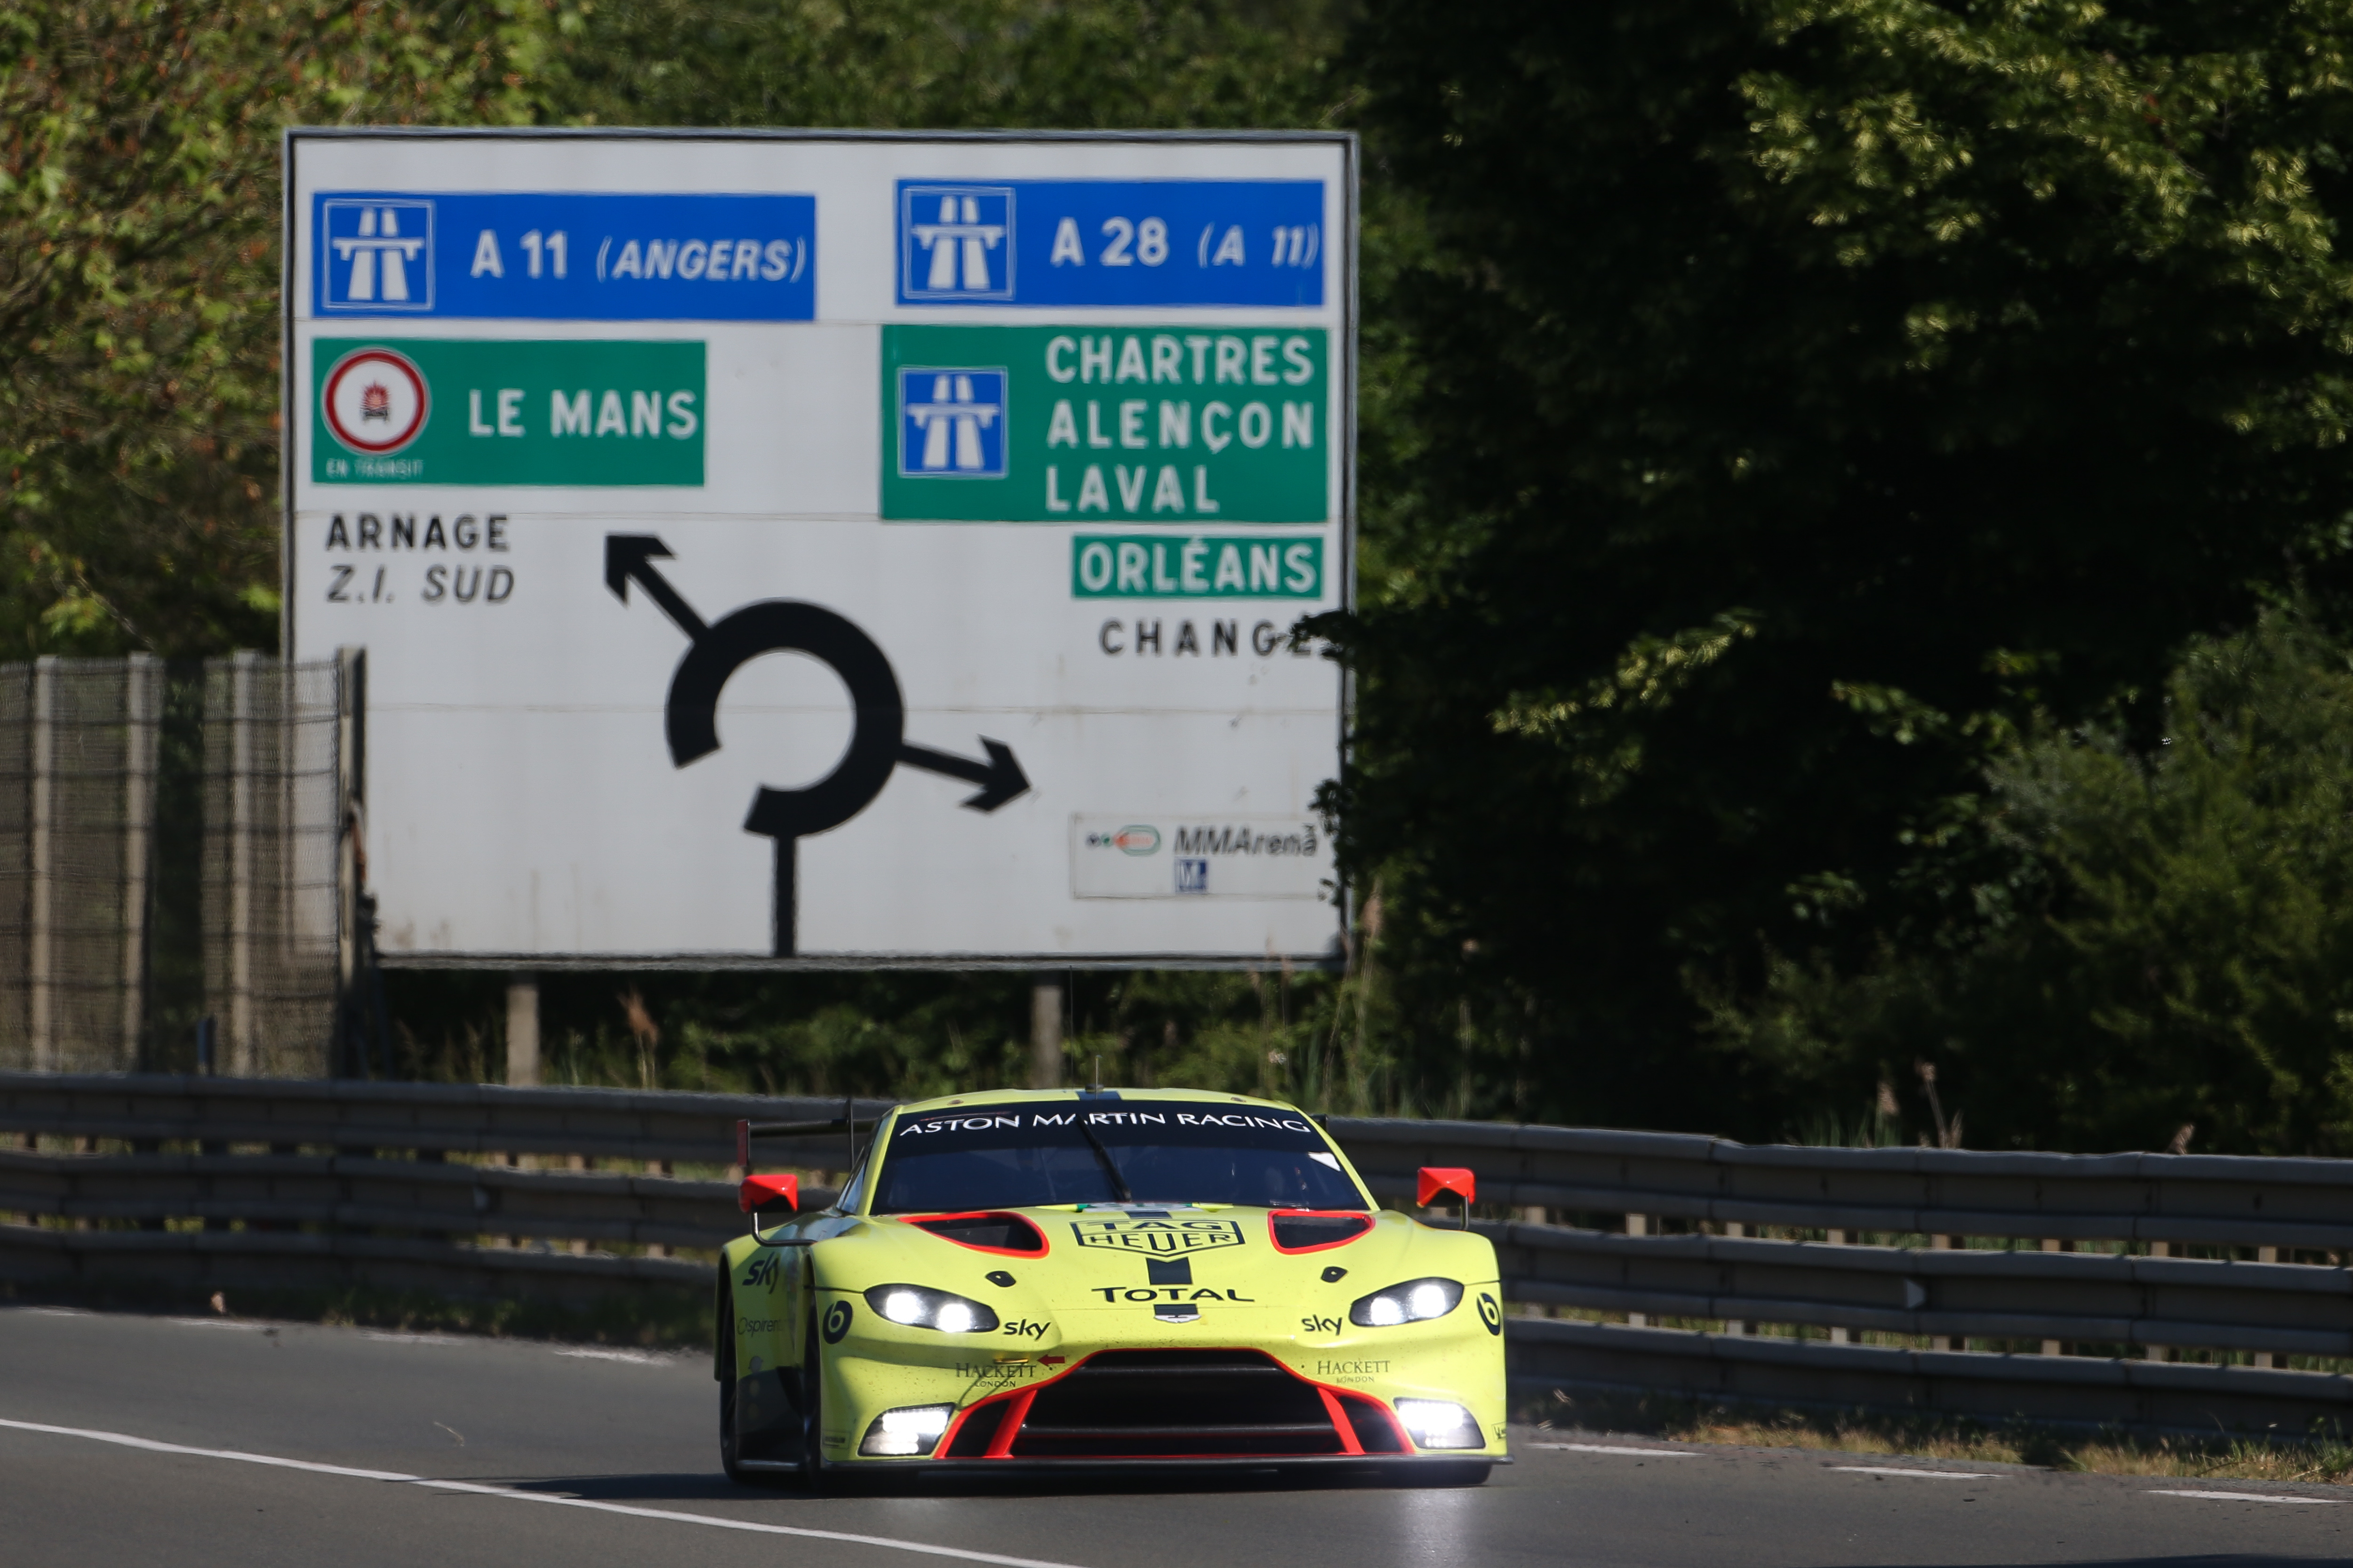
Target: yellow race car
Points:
(1159, 1278)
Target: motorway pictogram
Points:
(878, 742)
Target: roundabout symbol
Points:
(878, 742)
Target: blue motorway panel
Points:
(1077, 243)
(563, 256)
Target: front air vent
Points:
(1177, 1404)
(1007, 1233)
(1314, 1232)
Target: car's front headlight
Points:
(915, 1307)
(1440, 1424)
(913, 1430)
(1414, 1301)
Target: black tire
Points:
(728, 1460)
(814, 1474)
(1451, 1472)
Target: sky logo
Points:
(956, 242)
(379, 254)
(951, 424)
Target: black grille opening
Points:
(1001, 1232)
(1303, 1230)
(979, 1429)
(1167, 1404)
(1376, 1433)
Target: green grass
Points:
(2318, 1455)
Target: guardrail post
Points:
(2268, 1359)
(1834, 1237)
(1736, 1327)
(1638, 1225)
(1942, 1341)
(2053, 1244)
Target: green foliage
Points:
(1312, 1037)
(1079, 64)
(139, 293)
(1804, 397)
(2183, 953)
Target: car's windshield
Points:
(1125, 1150)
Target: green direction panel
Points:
(1195, 566)
(475, 411)
(1183, 424)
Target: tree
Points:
(1809, 393)
(139, 213)
(2178, 950)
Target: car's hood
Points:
(1130, 1256)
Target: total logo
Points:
(376, 401)
(1137, 838)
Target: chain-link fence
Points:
(169, 840)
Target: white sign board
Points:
(828, 549)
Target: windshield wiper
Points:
(1102, 1156)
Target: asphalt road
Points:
(197, 1442)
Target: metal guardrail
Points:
(314, 1199)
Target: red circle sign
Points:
(374, 401)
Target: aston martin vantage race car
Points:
(1057, 1278)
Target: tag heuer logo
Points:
(1162, 1237)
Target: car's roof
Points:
(1106, 1099)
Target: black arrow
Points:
(629, 555)
(1000, 777)
(877, 743)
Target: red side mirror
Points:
(759, 1191)
(1437, 1179)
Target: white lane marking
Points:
(125, 1440)
(217, 1323)
(417, 1338)
(2247, 1496)
(1607, 1448)
(639, 1357)
(1909, 1470)
(52, 1312)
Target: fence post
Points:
(350, 797)
(1046, 1035)
(40, 945)
(244, 682)
(523, 1030)
(143, 712)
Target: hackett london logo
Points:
(1161, 1237)
(505, 412)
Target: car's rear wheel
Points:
(728, 1456)
(814, 1474)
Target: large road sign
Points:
(828, 549)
